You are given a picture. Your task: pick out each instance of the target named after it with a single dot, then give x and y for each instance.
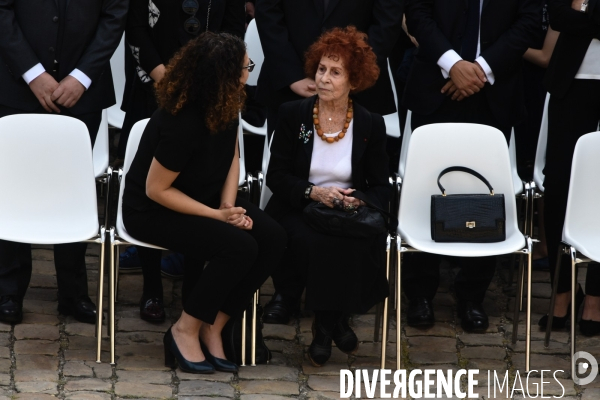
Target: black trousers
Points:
(421, 274)
(69, 258)
(239, 261)
(570, 117)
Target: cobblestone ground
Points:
(49, 355)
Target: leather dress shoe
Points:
(11, 309)
(220, 364)
(280, 309)
(320, 348)
(589, 327)
(420, 312)
(152, 309)
(83, 310)
(561, 322)
(173, 357)
(344, 337)
(473, 317)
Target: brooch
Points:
(304, 134)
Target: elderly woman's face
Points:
(332, 79)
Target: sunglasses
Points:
(192, 24)
(250, 66)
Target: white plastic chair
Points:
(581, 237)
(102, 171)
(392, 121)
(255, 52)
(433, 148)
(540, 153)
(117, 65)
(48, 188)
(265, 192)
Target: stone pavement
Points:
(50, 356)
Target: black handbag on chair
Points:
(467, 218)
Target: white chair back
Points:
(435, 147)
(512, 152)
(392, 121)
(100, 150)
(583, 209)
(242, 179)
(117, 65)
(540, 153)
(266, 193)
(405, 140)
(255, 51)
(47, 180)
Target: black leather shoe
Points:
(11, 309)
(589, 327)
(420, 312)
(561, 322)
(152, 310)
(220, 364)
(83, 310)
(344, 337)
(280, 309)
(172, 354)
(320, 348)
(473, 317)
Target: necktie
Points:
(471, 36)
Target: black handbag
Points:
(467, 218)
(364, 222)
(232, 338)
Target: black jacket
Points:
(289, 166)
(288, 27)
(507, 30)
(28, 35)
(576, 33)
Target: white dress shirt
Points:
(38, 69)
(451, 57)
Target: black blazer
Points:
(288, 27)
(576, 32)
(508, 28)
(289, 166)
(28, 33)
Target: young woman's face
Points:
(245, 72)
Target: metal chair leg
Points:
(111, 297)
(99, 296)
(398, 305)
(107, 180)
(522, 285)
(253, 344)
(117, 257)
(573, 254)
(553, 296)
(244, 339)
(385, 306)
(528, 328)
(516, 310)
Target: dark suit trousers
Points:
(69, 259)
(421, 273)
(569, 118)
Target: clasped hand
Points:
(335, 197)
(466, 79)
(50, 93)
(235, 216)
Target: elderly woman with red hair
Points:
(324, 149)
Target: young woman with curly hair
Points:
(325, 149)
(181, 191)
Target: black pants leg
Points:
(570, 117)
(239, 261)
(421, 271)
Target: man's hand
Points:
(305, 88)
(68, 92)
(42, 87)
(468, 78)
(576, 5)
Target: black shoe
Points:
(473, 317)
(420, 312)
(173, 354)
(589, 327)
(280, 309)
(320, 348)
(344, 337)
(11, 309)
(561, 322)
(220, 364)
(83, 310)
(152, 310)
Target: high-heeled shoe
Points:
(220, 364)
(172, 354)
(561, 322)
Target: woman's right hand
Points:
(327, 195)
(230, 215)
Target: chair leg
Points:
(522, 285)
(398, 305)
(573, 254)
(99, 294)
(528, 328)
(517, 308)
(111, 298)
(117, 258)
(385, 306)
(107, 180)
(244, 339)
(253, 344)
(553, 296)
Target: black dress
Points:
(339, 273)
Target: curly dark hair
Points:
(206, 71)
(350, 46)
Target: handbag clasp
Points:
(470, 224)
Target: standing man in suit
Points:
(287, 28)
(55, 58)
(467, 69)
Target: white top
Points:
(331, 163)
(590, 66)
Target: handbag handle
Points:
(392, 220)
(468, 171)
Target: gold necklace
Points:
(340, 135)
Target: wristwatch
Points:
(307, 192)
(584, 6)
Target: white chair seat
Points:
(392, 121)
(512, 151)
